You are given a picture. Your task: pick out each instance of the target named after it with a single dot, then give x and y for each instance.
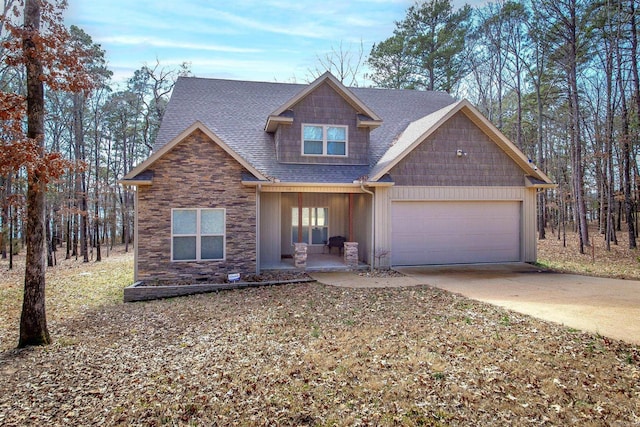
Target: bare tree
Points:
(344, 63)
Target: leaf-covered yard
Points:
(305, 354)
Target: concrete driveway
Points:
(609, 307)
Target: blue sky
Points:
(265, 40)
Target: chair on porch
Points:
(336, 242)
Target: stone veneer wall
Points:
(197, 173)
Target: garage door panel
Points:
(455, 232)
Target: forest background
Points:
(559, 79)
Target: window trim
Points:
(199, 235)
(309, 226)
(325, 140)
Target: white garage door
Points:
(454, 232)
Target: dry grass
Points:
(73, 287)
(303, 355)
(620, 262)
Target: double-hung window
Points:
(324, 140)
(197, 234)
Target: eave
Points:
(366, 122)
(135, 182)
(274, 121)
(531, 182)
(329, 187)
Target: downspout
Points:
(258, 203)
(373, 225)
(136, 204)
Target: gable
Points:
(367, 117)
(435, 162)
(322, 106)
(133, 177)
(425, 127)
(197, 162)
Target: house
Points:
(246, 176)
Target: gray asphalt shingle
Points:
(236, 111)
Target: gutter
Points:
(278, 184)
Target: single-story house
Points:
(247, 176)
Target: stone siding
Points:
(435, 163)
(351, 254)
(300, 256)
(139, 292)
(197, 173)
(324, 106)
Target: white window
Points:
(197, 234)
(314, 228)
(324, 140)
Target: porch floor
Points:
(315, 262)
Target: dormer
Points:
(323, 123)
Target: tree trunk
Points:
(33, 320)
(6, 185)
(68, 232)
(578, 175)
(96, 194)
(634, 58)
(47, 222)
(541, 195)
(81, 177)
(610, 184)
(75, 231)
(10, 238)
(125, 220)
(636, 78)
(626, 160)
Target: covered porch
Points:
(295, 227)
(316, 262)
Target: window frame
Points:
(310, 225)
(325, 140)
(199, 234)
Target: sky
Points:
(261, 40)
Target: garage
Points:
(455, 232)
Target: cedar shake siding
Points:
(434, 162)
(197, 173)
(323, 106)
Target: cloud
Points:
(306, 29)
(246, 39)
(169, 44)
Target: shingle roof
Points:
(236, 111)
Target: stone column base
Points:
(300, 255)
(351, 254)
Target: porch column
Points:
(300, 255)
(350, 237)
(300, 219)
(351, 254)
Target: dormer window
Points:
(324, 140)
